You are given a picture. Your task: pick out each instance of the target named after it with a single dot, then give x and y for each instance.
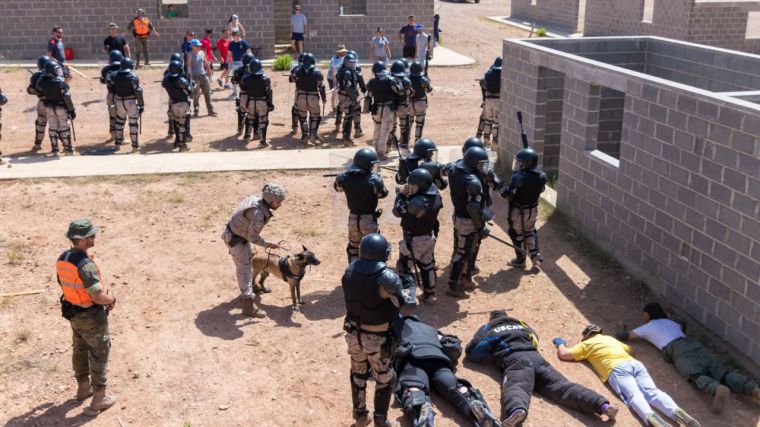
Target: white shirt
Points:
(660, 332)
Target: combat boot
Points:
(427, 297)
(256, 136)
(358, 133)
(84, 390)
(382, 401)
(518, 262)
(250, 311)
(455, 290)
(100, 402)
(467, 283)
(719, 399)
(685, 419)
(536, 259)
(515, 418)
(348, 142)
(37, 146)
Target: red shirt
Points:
(223, 45)
(206, 46)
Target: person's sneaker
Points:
(611, 411)
(517, 262)
(685, 419)
(719, 398)
(655, 420)
(515, 418)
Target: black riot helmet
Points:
(175, 68)
(374, 247)
(527, 158)
(472, 141)
(300, 58)
(364, 160)
(308, 61)
(53, 68)
(419, 181)
(424, 149)
(416, 69)
(247, 58)
(255, 67)
(177, 57)
(497, 63)
(115, 56)
(476, 160)
(349, 61)
(127, 64)
(379, 70)
(41, 61)
(398, 69)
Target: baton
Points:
(508, 244)
(523, 136)
(73, 131)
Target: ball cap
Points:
(81, 229)
(196, 42)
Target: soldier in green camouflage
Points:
(85, 303)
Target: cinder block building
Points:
(26, 26)
(656, 144)
(722, 23)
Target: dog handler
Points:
(244, 228)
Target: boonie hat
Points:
(113, 25)
(341, 49)
(81, 229)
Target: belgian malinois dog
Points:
(289, 268)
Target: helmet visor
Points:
(410, 189)
(484, 166)
(517, 164)
(432, 155)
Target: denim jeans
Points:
(631, 381)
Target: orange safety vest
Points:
(72, 285)
(142, 27)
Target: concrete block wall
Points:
(553, 85)
(27, 26)
(562, 14)
(624, 17)
(681, 210)
(723, 24)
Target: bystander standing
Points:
(223, 46)
(207, 47)
(424, 51)
(238, 48)
(201, 73)
(141, 28)
(408, 35)
(379, 47)
(56, 51)
(299, 29)
(115, 42)
(234, 25)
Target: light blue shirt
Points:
(298, 21)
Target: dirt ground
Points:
(183, 355)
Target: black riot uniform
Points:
(374, 296)
(418, 102)
(363, 188)
(524, 189)
(114, 63)
(179, 89)
(41, 122)
(128, 100)
(423, 155)
(237, 79)
(490, 86)
(401, 104)
(294, 109)
(379, 101)
(425, 361)
(310, 88)
(258, 101)
(59, 106)
(471, 213)
(348, 96)
(3, 101)
(514, 346)
(418, 205)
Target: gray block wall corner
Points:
(681, 211)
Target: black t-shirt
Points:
(115, 43)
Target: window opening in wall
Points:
(753, 25)
(648, 11)
(172, 9)
(352, 7)
(610, 128)
(533, 2)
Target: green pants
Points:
(91, 346)
(697, 364)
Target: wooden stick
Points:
(71, 67)
(15, 294)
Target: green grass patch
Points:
(282, 63)
(541, 32)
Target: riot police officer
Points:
(310, 88)
(358, 132)
(424, 156)
(527, 183)
(426, 356)
(471, 213)
(381, 93)
(401, 105)
(59, 106)
(179, 89)
(418, 204)
(418, 102)
(348, 96)
(3, 101)
(491, 86)
(363, 188)
(128, 100)
(41, 122)
(242, 99)
(258, 101)
(294, 114)
(374, 295)
(114, 63)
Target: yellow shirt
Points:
(603, 352)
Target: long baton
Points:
(522, 130)
(73, 131)
(507, 243)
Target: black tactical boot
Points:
(518, 262)
(382, 402)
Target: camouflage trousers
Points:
(358, 227)
(419, 250)
(351, 111)
(383, 118)
(467, 241)
(369, 350)
(241, 254)
(92, 344)
(403, 114)
(40, 123)
(58, 127)
(418, 110)
(522, 229)
(179, 121)
(491, 117)
(126, 109)
(307, 104)
(111, 112)
(254, 108)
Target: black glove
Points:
(484, 232)
(270, 107)
(73, 114)
(140, 109)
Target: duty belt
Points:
(126, 98)
(530, 206)
(491, 95)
